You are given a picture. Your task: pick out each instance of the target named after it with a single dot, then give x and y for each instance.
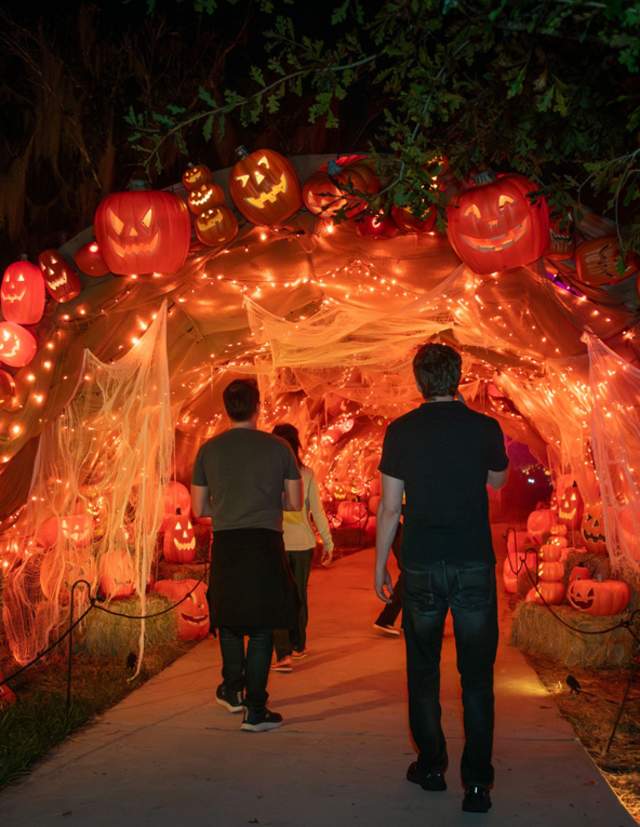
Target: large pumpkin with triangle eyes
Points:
(18, 346)
(61, 280)
(495, 226)
(593, 529)
(143, 231)
(193, 613)
(264, 186)
(22, 293)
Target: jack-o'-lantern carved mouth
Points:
(195, 620)
(9, 346)
(14, 297)
(186, 546)
(271, 196)
(202, 198)
(210, 219)
(133, 248)
(593, 538)
(498, 242)
(55, 284)
(585, 602)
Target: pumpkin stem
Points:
(242, 152)
(178, 511)
(486, 176)
(137, 184)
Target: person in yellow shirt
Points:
(299, 543)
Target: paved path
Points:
(167, 755)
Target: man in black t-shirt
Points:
(441, 456)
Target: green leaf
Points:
(207, 128)
(256, 74)
(205, 97)
(340, 13)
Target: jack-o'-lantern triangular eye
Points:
(258, 176)
(178, 527)
(147, 218)
(473, 209)
(20, 277)
(264, 162)
(244, 179)
(504, 200)
(115, 222)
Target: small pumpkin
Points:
(90, 261)
(335, 187)
(176, 496)
(18, 346)
(353, 513)
(61, 280)
(116, 574)
(595, 597)
(550, 572)
(378, 226)
(195, 175)
(179, 545)
(539, 523)
(264, 186)
(552, 593)
(217, 225)
(193, 613)
(408, 222)
(205, 197)
(550, 552)
(597, 262)
(22, 293)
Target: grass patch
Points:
(105, 635)
(39, 720)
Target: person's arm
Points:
(498, 459)
(200, 504)
(389, 512)
(320, 519)
(292, 496)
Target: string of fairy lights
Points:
(358, 285)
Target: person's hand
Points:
(384, 585)
(327, 557)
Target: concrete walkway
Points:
(167, 755)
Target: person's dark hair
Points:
(290, 434)
(241, 399)
(437, 370)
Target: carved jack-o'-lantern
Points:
(335, 188)
(179, 540)
(495, 226)
(561, 239)
(551, 592)
(90, 261)
(143, 231)
(597, 262)
(264, 187)
(117, 574)
(539, 523)
(22, 293)
(570, 507)
(551, 572)
(593, 529)
(17, 345)
(353, 513)
(205, 197)
(193, 613)
(195, 176)
(216, 226)
(75, 529)
(606, 597)
(60, 279)
(60, 569)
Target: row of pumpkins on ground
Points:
(492, 225)
(541, 554)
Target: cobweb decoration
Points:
(95, 504)
(615, 430)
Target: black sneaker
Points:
(476, 799)
(260, 720)
(230, 700)
(431, 781)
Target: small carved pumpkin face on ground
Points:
(216, 226)
(60, 279)
(193, 613)
(205, 197)
(195, 176)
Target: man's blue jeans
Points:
(469, 589)
(247, 671)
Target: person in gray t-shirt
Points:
(244, 478)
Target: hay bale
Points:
(536, 630)
(107, 636)
(180, 571)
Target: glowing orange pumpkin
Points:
(595, 597)
(264, 187)
(597, 262)
(22, 293)
(117, 574)
(593, 529)
(562, 243)
(408, 222)
(176, 496)
(195, 176)
(216, 226)
(90, 261)
(550, 552)
(494, 226)
(353, 513)
(377, 226)
(60, 279)
(205, 197)
(193, 613)
(179, 544)
(143, 231)
(17, 345)
(539, 523)
(550, 572)
(551, 593)
(570, 507)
